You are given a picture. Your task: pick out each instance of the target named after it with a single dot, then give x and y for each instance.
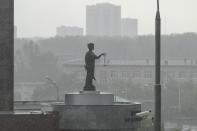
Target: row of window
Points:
(147, 74)
(140, 75)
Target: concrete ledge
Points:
(28, 122)
(89, 98)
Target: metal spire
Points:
(157, 5)
(157, 118)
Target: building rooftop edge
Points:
(104, 3)
(138, 63)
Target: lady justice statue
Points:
(90, 58)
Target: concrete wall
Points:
(28, 122)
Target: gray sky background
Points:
(41, 17)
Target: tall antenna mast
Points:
(157, 118)
(157, 5)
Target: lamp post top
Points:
(157, 5)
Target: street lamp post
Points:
(54, 84)
(157, 118)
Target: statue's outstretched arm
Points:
(97, 57)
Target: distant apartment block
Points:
(129, 27)
(15, 32)
(103, 19)
(69, 31)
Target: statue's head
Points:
(91, 46)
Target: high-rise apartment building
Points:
(103, 19)
(129, 27)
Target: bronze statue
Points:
(90, 58)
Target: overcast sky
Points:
(41, 17)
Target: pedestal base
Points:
(117, 117)
(89, 98)
(96, 111)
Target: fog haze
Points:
(47, 68)
(41, 17)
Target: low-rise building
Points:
(69, 31)
(137, 71)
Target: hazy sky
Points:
(41, 17)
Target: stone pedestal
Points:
(95, 110)
(89, 98)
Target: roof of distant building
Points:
(135, 62)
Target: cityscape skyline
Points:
(33, 20)
(105, 20)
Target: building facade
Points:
(129, 27)
(142, 72)
(69, 31)
(103, 19)
(6, 54)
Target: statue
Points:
(90, 58)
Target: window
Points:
(125, 75)
(148, 74)
(136, 74)
(114, 75)
(103, 77)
